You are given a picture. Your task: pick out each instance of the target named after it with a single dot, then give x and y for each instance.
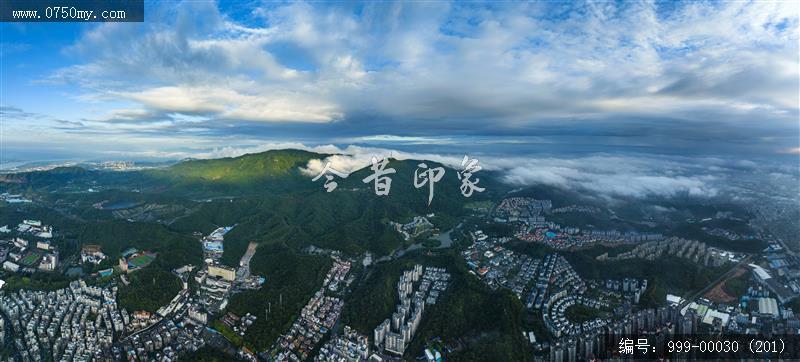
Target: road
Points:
(690, 297)
(244, 262)
(160, 321)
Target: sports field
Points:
(30, 259)
(140, 261)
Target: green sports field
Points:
(30, 259)
(140, 261)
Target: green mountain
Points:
(265, 194)
(254, 167)
(352, 218)
(273, 171)
(58, 176)
(250, 174)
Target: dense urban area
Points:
(98, 270)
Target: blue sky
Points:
(697, 78)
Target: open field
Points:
(722, 293)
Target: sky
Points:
(550, 80)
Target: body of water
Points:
(119, 205)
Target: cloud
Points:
(229, 103)
(606, 176)
(451, 62)
(615, 176)
(384, 138)
(694, 77)
(342, 163)
(239, 151)
(601, 175)
(9, 48)
(15, 113)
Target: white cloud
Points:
(402, 139)
(352, 158)
(342, 163)
(230, 104)
(614, 176)
(605, 176)
(512, 64)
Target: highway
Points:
(692, 296)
